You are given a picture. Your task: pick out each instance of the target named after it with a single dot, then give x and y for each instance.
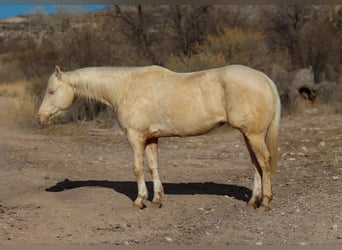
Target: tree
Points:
(191, 24)
(231, 46)
(318, 47)
(139, 27)
(283, 23)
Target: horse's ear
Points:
(58, 72)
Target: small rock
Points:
(259, 243)
(322, 143)
(334, 227)
(168, 239)
(335, 178)
(292, 159)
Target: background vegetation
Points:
(279, 40)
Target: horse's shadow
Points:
(129, 188)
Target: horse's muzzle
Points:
(42, 120)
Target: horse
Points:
(153, 102)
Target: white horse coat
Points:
(153, 102)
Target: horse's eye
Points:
(51, 92)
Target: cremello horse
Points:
(153, 102)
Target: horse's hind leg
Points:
(255, 200)
(152, 160)
(260, 150)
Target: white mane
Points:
(105, 84)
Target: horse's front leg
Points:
(152, 160)
(137, 141)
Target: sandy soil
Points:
(74, 184)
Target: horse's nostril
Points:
(41, 120)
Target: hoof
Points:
(156, 205)
(251, 206)
(265, 204)
(138, 207)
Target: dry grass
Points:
(25, 102)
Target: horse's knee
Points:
(138, 171)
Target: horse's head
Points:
(59, 96)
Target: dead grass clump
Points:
(25, 102)
(330, 96)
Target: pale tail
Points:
(273, 132)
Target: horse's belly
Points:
(186, 127)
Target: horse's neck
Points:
(105, 88)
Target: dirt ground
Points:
(74, 184)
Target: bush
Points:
(231, 46)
